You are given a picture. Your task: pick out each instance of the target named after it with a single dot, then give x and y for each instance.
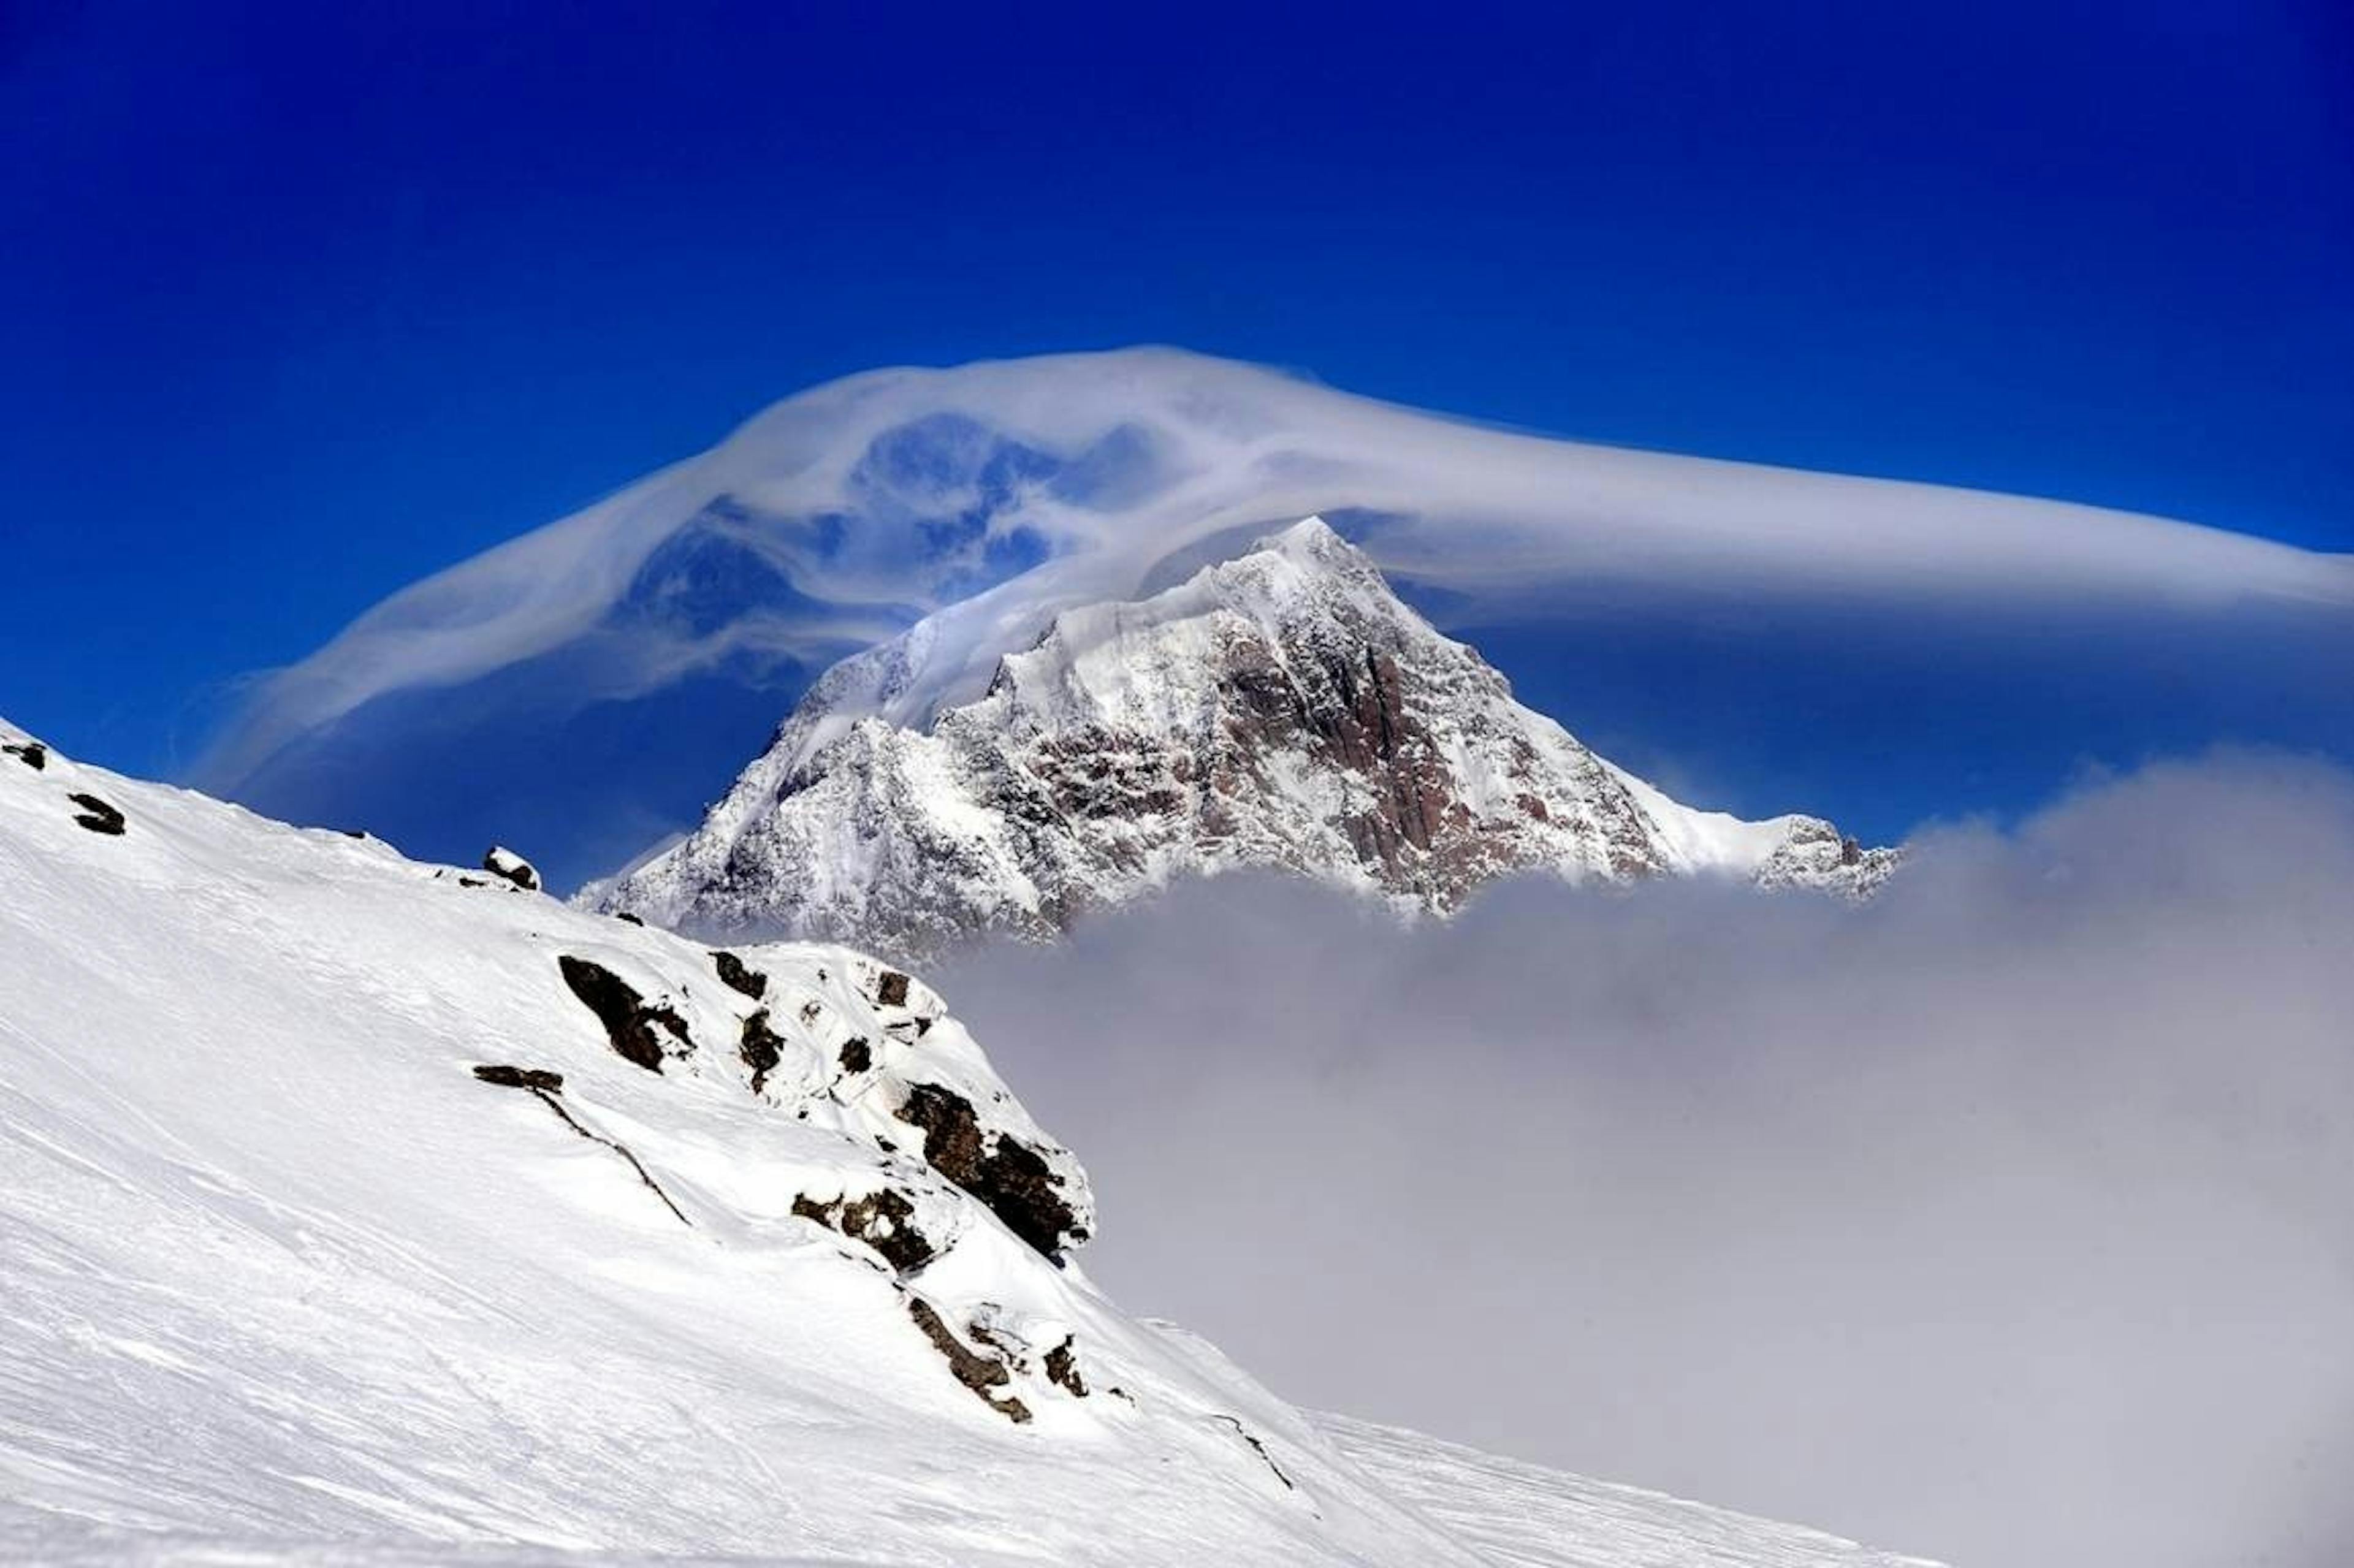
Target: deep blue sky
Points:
(302, 303)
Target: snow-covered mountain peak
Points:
(1283, 709)
(1141, 661)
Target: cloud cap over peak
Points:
(842, 514)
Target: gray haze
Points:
(2009, 1219)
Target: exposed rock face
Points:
(985, 1375)
(739, 976)
(97, 815)
(761, 1047)
(884, 1220)
(636, 1029)
(1063, 1367)
(1012, 1178)
(513, 1077)
(1284, 710)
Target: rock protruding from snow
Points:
(1283, 710)
(500, 861)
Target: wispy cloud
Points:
(889, 494)
(2006, 1219)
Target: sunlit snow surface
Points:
(283, 1282)
(592, 683)
(1524, 1516)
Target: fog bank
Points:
(2008, 1219)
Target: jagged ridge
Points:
(1283, 710)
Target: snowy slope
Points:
(287, 1276)
(1283, 710)
(1523, 1516)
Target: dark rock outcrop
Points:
(761, 1047)
(97, 815)
(630, 1023)
(737, 975)
(521, 1077)
(1063, 1367)
(1003, 1172)
(983, 1374)
(882, 1220)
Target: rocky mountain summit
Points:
(1284, 710)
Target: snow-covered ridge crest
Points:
(364, 1210)
(1281, 710)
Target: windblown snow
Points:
(1284, 710)
(355, 1210)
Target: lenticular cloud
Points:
(646, 643)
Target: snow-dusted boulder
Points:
(502, 862)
